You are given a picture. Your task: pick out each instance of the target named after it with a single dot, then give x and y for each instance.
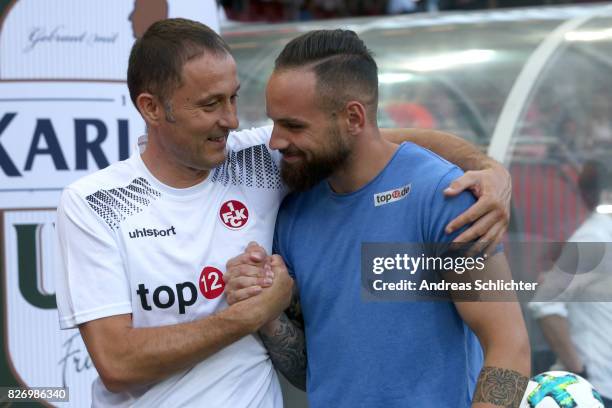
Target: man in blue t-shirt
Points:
(355, 187)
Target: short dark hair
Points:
(593, 179)
(157, 59)
(343, 66)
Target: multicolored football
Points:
(560, 389)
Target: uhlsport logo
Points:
(391, 196)
(152, 232)
(183, 294)
(234, 215)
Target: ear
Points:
(355, 117)
(151, 109)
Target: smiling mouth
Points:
(291, 154)
(218, 139)
(292, 158)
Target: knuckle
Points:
(245, 271)
(244, 282)
(236, 271)
(234, 284)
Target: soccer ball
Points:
(560, 389)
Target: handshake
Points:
(259, 284)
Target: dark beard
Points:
(308, 173)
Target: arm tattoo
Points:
(501, 387)
(287, 346)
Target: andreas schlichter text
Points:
(485, 285)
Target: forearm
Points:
(287, 347)
(451, 147)
(137, 356)
(556, 332)
(505, 342)
(503, 379)
(156, 353)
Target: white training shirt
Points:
(590, 323)
(129, 244)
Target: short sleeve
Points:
(445, 209)
(91, 280)
(244, 139)
(282, 234)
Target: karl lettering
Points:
(89, 137)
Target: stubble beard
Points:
(306, 174)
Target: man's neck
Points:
(369, 157)
(164, 167)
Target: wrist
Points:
(245, 316)
(491, 164)
(269, 328)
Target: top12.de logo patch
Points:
(234, 214)
(391, 196)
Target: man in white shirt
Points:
(579, 328)
(143, 243)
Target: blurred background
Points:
(307, 10)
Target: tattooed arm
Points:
(284, 339)
(499, 387)
(247, 275)
(503, 336)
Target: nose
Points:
(229, 117)
(277, 140)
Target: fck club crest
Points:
(234, 214)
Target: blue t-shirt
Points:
(377, 354)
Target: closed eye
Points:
(211, 104)
(292, 126)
